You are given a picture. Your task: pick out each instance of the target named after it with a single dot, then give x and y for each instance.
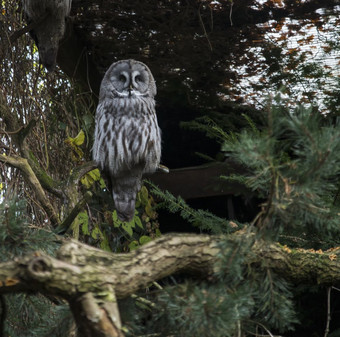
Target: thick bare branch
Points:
(96, 319)
(79, 268)
(90, 279)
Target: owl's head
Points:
(128, 78)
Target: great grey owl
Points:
(127, 139)
(48, 17)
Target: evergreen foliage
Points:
(293, 164)
(199, 218)
(292, 161)
(29, 315)
(17, 236)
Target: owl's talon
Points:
(163, 168)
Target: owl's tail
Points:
(124, 192)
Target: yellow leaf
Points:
(86, 181)
(332, 257)
(79, 139)
(9, 282)
(35, 48)
(90, 177)
(144, 194)
(149, 211)
(95, 174)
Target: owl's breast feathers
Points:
(127, 136)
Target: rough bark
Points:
(91, 279)
(94, 319)
(79, 268)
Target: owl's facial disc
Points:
(130, 81)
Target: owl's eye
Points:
(122, 78)
(138, 78)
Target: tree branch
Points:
(64, 226)
(23, 165)
(26, 29)
(80, 268)
(90, 278)
(94, 319)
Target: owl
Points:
(127, 139)
(48, 17)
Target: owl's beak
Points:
(130, 90)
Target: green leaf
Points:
(149, 211)
(80, 220)
(105, 244)
(144, 239)
(133, 245)
(138, 200)
(139, 222)
(102, 183)
(84, 220)
(96, 232)
(116, 222)
(127, 226)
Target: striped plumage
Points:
(127, 139)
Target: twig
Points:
(26, 29)
(12, 132)
(21, 32)
(203, 27)
(231, 13)
(328, 311)
(143, 301)
(263, 327)
(64, 226)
